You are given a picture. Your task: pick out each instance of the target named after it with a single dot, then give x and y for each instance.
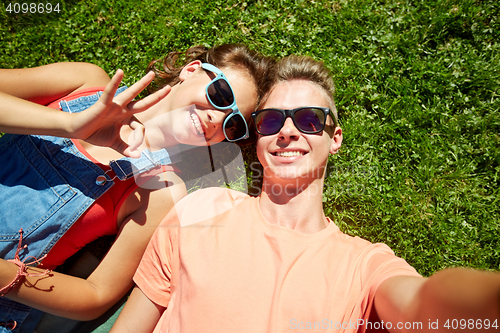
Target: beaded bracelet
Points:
(22, 272)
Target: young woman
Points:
(66, 193)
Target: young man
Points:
(222, 261)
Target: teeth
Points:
(289, 153)
(196, 123)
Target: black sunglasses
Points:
(307, 119)
(221, 95)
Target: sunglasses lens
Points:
(235, 127)
(269, 122)
(310, 120)
(220, 93)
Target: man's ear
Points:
(336, 140)
(189, 69)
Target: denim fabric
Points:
(46, 184)
(12, 313)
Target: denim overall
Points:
(46, 184)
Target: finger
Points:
(149, 101)
(124, 149)
(134, 123)
(136, 139)
(134, 90)
(110, 90)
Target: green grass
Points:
(417, 87)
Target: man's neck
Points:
(295, 206)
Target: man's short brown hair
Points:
(304, 68)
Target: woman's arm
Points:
(140, 314)
(23, 90)
(99, 125)
(87, 299)
(48, 83)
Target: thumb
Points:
(136, 138)
(130, 153)
(134, 141)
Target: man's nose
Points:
(289, 130)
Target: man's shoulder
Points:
(207, 203)
(359, 246)
(214, 196)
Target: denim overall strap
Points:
(126, 167)
(83, 103)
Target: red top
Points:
(100, 219)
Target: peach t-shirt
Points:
(217, 265)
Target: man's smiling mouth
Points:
(290, 153)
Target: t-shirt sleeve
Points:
(154, 274)
(378, 264)
(382, 263)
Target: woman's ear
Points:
(189, 69)
(336, 140)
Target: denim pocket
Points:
(29, 193)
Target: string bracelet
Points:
(22, 272)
